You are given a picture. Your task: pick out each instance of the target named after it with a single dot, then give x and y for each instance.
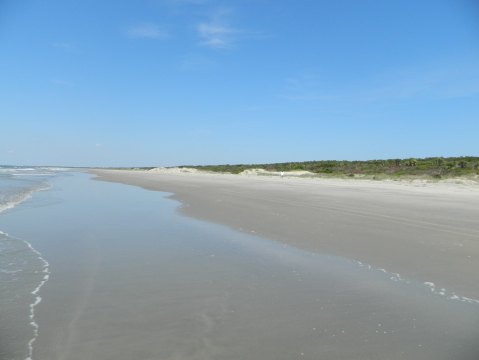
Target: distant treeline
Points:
(434, 166)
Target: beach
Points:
(239, 180)
(131, 277)
(424, 231)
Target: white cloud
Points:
(217, 33)
(146, 31)
(216, 36)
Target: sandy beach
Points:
(428, 232)
(332, 270)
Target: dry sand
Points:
(424, 231)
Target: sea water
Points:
(23, 270)
(97, 270)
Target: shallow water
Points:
(132, 279)
(23, 271)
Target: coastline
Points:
(423, 231)
(132, 278)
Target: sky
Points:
(187, 82)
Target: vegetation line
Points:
(434, 167)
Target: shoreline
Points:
(425, 232)
(136, 279)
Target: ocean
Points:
(23, 270)
(97, 270)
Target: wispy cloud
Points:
(217, 33)
(146, 31)
(215, 36)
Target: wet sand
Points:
(426, 232)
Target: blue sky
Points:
(171, 82)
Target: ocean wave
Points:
(19, 171)
(17, 198)
(55, 169)
(36, 174)
(32, 171)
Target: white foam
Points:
(450, 295)
(38, 299)
(432, 287)
(52, 168)
(21, 197)
(7, 170)
(37, 174)
(10, 271)
(35, 292)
